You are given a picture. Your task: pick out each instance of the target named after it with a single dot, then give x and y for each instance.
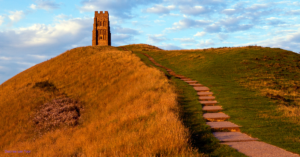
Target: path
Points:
(227, 132)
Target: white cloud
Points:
(33, 6)
(39, 56)
(1, 20)
(190, 40)
(205, 43)
(4, 58)
(171, 7)
(229, 11)
(293, 12)
(289, 42)
(272, 18)
(156, 38)
(187, 23)
(172, 14)
(121, 30)
(257, 6)
(169, 47)
(119, 8)
(159, 9)
(16, 16)
(159, 21)
(200, 34)
(45, 5)
(39, 38)
(222, 36)
(88, 7)
(26, 63)
(195, 10)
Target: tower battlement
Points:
(101, 29)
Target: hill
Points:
(91, 101)
(258, 87)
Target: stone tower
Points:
(101, 29)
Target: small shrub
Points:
(45, 85)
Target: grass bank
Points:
(118, 106)
(190, 111)
(258, 87)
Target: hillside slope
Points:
(91, 101)
(258, 87)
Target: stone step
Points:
(260, 149)
(215, 117)
(191, 82)
(218, 126)
(233, 137)
(212, 108)
(205, 93)
(206, 98)
(186, 79)
(204, 89)
(197, 85)
(181, 77)
(208, 103)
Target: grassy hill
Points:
(258, 87)
(91, 101)
(102, 100)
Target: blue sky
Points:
(32, 31)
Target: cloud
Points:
(205, 43)
(156, 38)
(222, 36)
(199, 34)
(190, 40)
(26, 64)
(121, 30)
(293, 12)
(62, 16)
(16, 16)
(119, 8)
(159, 9)
(40, 38)
(122, 39)
(257, 7)
(289, 42)
(194, 10)
(33, 6)
(5, 58)
(45, 5)
(197, 7)
(213, 28)
(159, 21)
(230, 24)
(229, 11)
(169, 47)
(39, 56)
(1, 20)
(188, 23)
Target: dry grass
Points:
(129, 108)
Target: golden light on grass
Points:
(129, 108)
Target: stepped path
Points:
(225, 131)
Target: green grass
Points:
(191, 115)
(242, 80)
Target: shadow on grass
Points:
(201, 136)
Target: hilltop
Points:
(91, 101)
(107, 101)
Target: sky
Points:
(32, 31)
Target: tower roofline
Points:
(101, 13)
